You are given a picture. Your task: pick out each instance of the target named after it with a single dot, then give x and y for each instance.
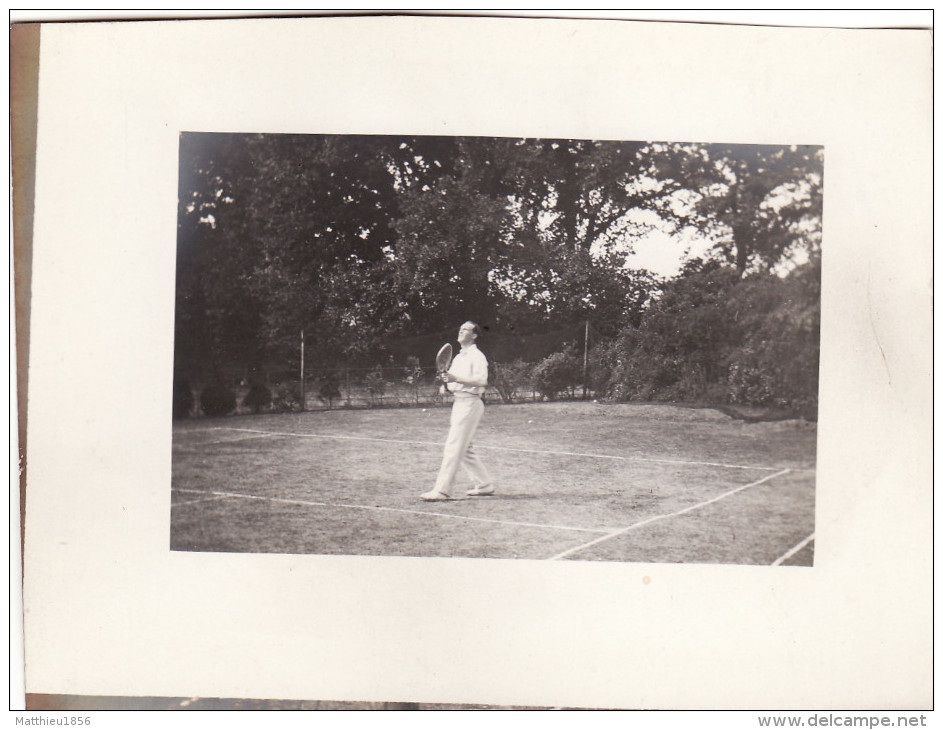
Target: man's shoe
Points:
(435, 496)
(482, 491)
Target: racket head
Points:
(443, 358)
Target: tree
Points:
(279, 233)
(215, 316)
(714, 336)
(449, 236)
(356, 238)
(776, 362)
(570, 204)
(578, 193)
(762, 203)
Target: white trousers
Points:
(466, 414)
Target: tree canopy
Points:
(360, 240)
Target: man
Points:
(466, 379)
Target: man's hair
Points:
(476, 330)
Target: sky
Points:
(664, 254)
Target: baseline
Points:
(650, 520)
(783, 558)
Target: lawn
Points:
(575, 481)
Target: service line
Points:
(501, 448)
(217, 442)
(650, 520)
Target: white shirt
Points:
(469, 364)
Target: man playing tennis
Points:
(466, 379)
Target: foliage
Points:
(217, 400)
(183, 398)
(777, 362)
(286, 397)
(714, 337)
(258, 397)
(359, 240)
(681, 342)
(605, 361)
(509, 378)
(412, 376)
(375, 384)
(576, 192)
(557, 373)
(351, 237)
(762, 204)
(447, 243)
(329, 390)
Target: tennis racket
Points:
(443, 360)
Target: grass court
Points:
(575, 481)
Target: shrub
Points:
(329, 391)
(777, 362)
(286, 397)
(258, 397)
(508, 378)
(412, 376)
(375, 384)
(183, 398)
(607, 361)
(714, 337)
(557, 373)
(217, 400)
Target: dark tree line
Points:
(363, 240)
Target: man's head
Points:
(468, 333)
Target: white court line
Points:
(783, 558)
(280, 500)
(198, 501)
(500, 448)
(259, 434)
(650, 520)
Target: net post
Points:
(585, 357)
(302, 378)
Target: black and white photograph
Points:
(386, 360)
(635, 329)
